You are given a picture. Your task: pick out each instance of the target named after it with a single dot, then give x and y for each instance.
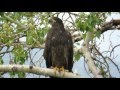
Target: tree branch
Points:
(108, 25)
(37, 70)
(113, 49)
(87, 54)
(103, 59)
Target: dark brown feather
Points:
(58, 46)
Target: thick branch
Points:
(108, 25)
(87, 54)
(37, 70)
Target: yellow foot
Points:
(62, 69)
(56, 69)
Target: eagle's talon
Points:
(55, 69)
(61, 69)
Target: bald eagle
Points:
(58, 50)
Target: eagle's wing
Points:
(47, 51)
(70, 50)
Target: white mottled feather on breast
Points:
(53, 38)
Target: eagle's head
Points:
(55, 20)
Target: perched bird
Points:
(58, 50)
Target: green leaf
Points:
(97, 34)
(83, 27)
(77, 23)
(29, 39)
(17, 16)
(77, 56)
(1, 13)
(96, 65)
(22, 60)
(84, 36)
(12, 74)
(102, 71)
(10, 41)
(19, 59)
(1, 61)
(21, 74)
(16, 59)
(20, 55)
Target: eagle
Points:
(58, 50)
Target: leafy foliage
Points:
(11, 30)
(20, 55)
(87, 22)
